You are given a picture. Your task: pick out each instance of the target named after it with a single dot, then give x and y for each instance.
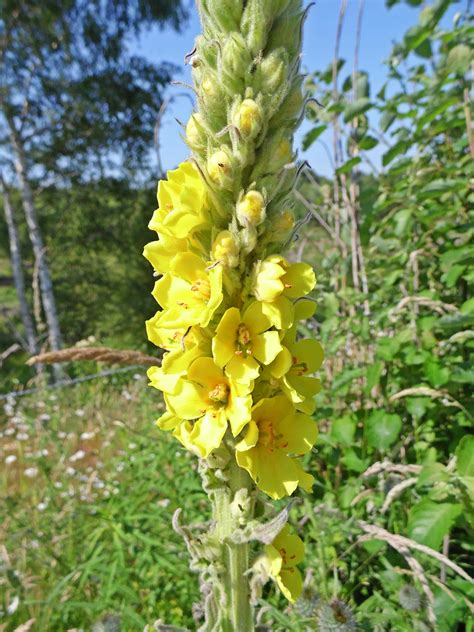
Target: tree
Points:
(75, 104)
(17, 268)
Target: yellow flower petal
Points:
(188, 402)
(280, 312)
(250, 439)
(266, 346)
(299, 280)
(242, 370)
(290, 583)
(255, 319)
(208, 432)
(224, 342)
(238, 411)
(167, 421)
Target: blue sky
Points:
(380, 28)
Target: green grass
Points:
(88, 505)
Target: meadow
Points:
(89, 485)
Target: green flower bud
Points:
(196, 136)
(235, 62)
(274, 154)
(251, 209)
(220, 168)
(287, 31)
(257, 21)
(291, 107)
(226, 249)
(248, 118)
(206, 52)
(271, 78)
(211, 99)
(222, 15)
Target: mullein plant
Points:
(238, 382)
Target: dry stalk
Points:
(386, 466)
(400, 542)
(97, 354)
(396, 491)
(422, 301)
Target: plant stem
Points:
(235, 606)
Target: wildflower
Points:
(31, 472)
(182, 203)
(275, 432)
(190, 292)
(243, 341)
(275, 277)
(11, 458)
(293, 368)
(284, 553)
(207, 401)
(77, 456)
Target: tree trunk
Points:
(18, 276)
(47, 294)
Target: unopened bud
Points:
(291, 107)
(225, 13)
(248, 119)
(235, 62)
(220, 169)
(251, 209)
(226, 249)
(274, 72)
(284, 223)
(195, 133)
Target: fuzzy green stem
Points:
(236, 610)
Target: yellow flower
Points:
(210, 400)
(275, 431)
(190, 292)
(160, 253)
(293, 367)
(242, 342)
(182, 204)
(285, 552)
(275, 277)
(194, 344)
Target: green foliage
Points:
(397, 389)
(88, 505)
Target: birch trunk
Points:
(18, 277)
(47, 294)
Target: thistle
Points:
(238, 383)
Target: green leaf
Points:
(429, 522)
(465, 456)
(387, 118)
(353, 462)
(350, 164)
(397, 149)
(459, 59)
(436, 373)
(431, 474)
(368, 142)
(343, 430)
(313, 135)
(374, 371)
(382, 429)
(360, 106)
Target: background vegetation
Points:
(89, 486)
